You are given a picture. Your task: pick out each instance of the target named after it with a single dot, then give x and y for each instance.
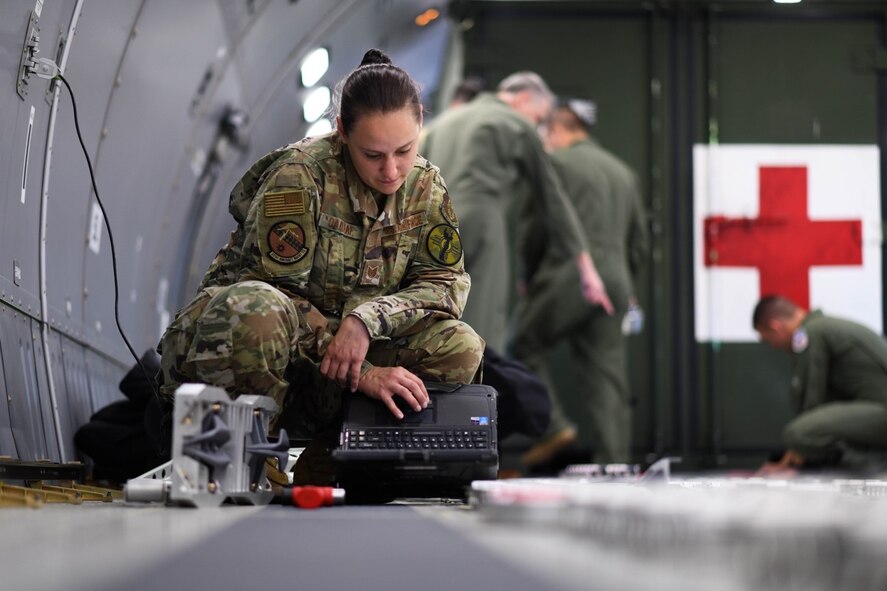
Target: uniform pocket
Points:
(387, 263)
(335, 265)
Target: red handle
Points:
(312, 497)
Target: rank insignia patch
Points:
(289, 202)
(372, 273)
(444, 244)
(286, 241)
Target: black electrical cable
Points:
(95, 190)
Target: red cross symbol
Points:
(782, 242)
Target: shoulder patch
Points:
(800, 340)
(286, 243)
(287, 179)
(444, 244)
(447, 211)
(287, 202)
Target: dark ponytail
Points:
(376, 86)
(375, 56)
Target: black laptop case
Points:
(433, 453)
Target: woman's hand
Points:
(384, 383)
(344, 357)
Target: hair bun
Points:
(375, 56)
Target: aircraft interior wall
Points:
(175, 99)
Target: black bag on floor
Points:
(116, 437)
(524, 404)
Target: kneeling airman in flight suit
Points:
(839, 386)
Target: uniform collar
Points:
(488, 97)
(811, 315)
(581, 142)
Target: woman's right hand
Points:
(345, 354)
(384, 383)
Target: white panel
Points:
(843, 184)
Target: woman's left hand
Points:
(344, 357)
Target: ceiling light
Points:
(316, 103)
(425, 19)
(314, 66)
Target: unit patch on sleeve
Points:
(288, 202)
(444, 244)
(286, 243)
(447, 211)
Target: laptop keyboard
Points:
(417, 439)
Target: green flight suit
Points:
(605, 194)
(839, 391)
(314, 244)
(489, 155)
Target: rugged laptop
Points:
(433, 453)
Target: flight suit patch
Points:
(444, 244)
(288, 202)
(286, 243)
(800, 340)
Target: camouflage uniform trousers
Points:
(251, 338)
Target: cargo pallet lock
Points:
(219, 450)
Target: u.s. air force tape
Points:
(286, 241)
(444, 244)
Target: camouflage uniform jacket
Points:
(309, 226)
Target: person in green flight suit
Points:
(489, 150)
(604, 192)
(838, 389)
(345, 272)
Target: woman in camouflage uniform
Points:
(344, 272)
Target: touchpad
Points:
(426, 416)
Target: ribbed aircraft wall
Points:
(154, 83)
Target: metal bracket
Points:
(218, 452)
(660, 470)
(60, 51)
(11, 469)
(30, 49)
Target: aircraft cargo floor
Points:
(393, 547)
(701, 533)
